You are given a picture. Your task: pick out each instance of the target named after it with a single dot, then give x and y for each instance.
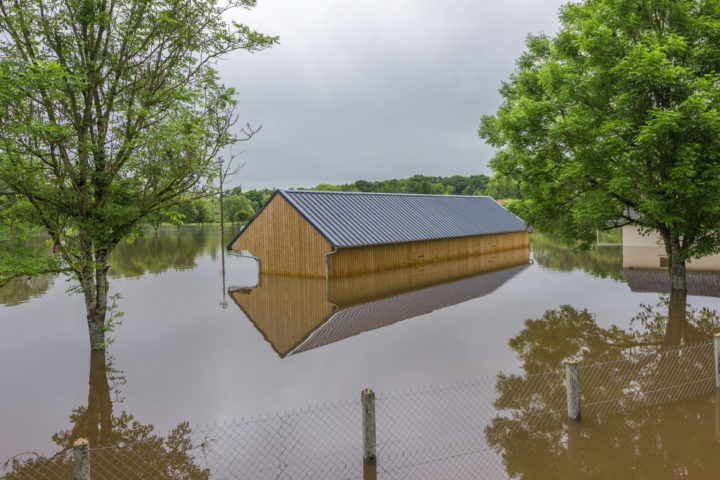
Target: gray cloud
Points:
(376, 89)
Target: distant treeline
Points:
(495, 187)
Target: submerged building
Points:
(335, 234)
(645, 266)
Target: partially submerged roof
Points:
(352, 219)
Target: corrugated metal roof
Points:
(351, 219)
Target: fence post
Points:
(81, 459)
(574, 436)
(717, 417)
(572, 385)
(717, 360)
(368, 422)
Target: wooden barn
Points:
(334, 234)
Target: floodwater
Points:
(196, 346)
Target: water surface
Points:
(197, 347)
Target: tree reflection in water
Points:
(642, 366)
(600, 261)
(121, 447)
(21, 289)
(169, 248)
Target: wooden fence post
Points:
(574, 459)
(717, 360)
(81, 459)
(572, 385)
(717, 417)
(368, 424)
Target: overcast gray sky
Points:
(376, 89)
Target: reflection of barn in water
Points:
(333, 234)
(646, 269)
(297, 314)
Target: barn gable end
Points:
(284, 241)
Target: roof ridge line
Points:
(384, 193)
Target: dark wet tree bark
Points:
(95, 287)
(677, 308)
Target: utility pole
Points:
(226, 171)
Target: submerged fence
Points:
(460, 430)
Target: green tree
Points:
(20, 253)
(203, 211)
(457, 184)
(616, 120)
(502, 187)
(238, 208)
(327, 187)
(110, 111)
(258, 198)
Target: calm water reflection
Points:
(21, 289)
(131, 447)
(185, 357)
(168, 248)
(299, 314)
(669, 441)
(603, 262)
(633, 423)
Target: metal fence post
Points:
(81, 459)
(717, 360)
(572, 385)
(368, 422)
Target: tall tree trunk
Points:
(95, 289)
(677, 309)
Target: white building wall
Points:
(648, 252)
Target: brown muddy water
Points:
(194, 346)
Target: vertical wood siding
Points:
(284, 242)
(358, 260)
(351, 290)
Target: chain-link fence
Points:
(472, 429)
(443, 431)
(642, 378)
